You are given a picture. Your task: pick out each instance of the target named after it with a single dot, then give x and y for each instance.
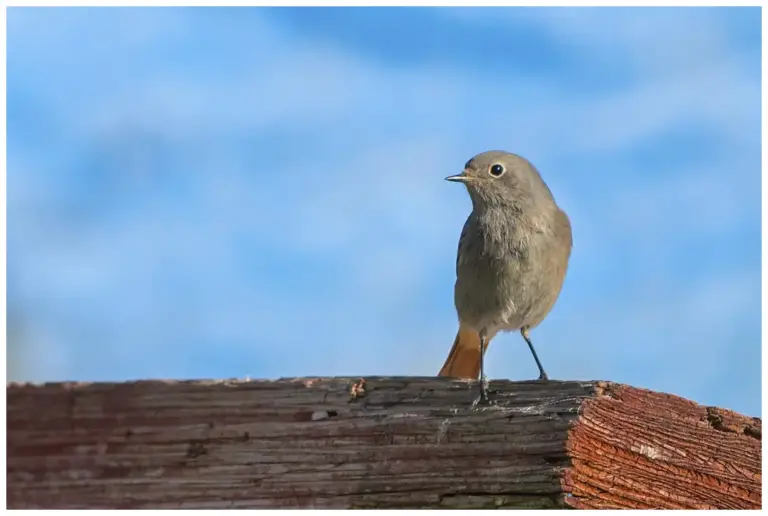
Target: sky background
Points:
(208, 193)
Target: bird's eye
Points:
(467, 164)
(497, 170)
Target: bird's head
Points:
(502, 178)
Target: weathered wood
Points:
(385, 442)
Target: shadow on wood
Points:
(378, 443)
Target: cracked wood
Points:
(374, 443)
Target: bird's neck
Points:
(508, 217)
(499, 206)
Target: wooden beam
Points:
(375, 443)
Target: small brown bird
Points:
(512, 258)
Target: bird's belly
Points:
(495, 293)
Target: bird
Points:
(511, 262)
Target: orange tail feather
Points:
(464, 359)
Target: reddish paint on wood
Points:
(374, 442)
(633, 448)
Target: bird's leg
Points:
(483, 381)
(524, 333)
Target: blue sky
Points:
(197, 193)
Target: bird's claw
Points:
(484, 399)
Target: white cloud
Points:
(706, 202)
(652, 41)
(682, 69)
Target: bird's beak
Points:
(458, 178)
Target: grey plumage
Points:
(513, 251)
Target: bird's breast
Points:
(501, 273)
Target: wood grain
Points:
(635, 448)
(380, 443)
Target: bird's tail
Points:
(464, 359)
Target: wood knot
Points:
(196, 449)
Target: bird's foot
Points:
(543, 377)
(484, 398)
